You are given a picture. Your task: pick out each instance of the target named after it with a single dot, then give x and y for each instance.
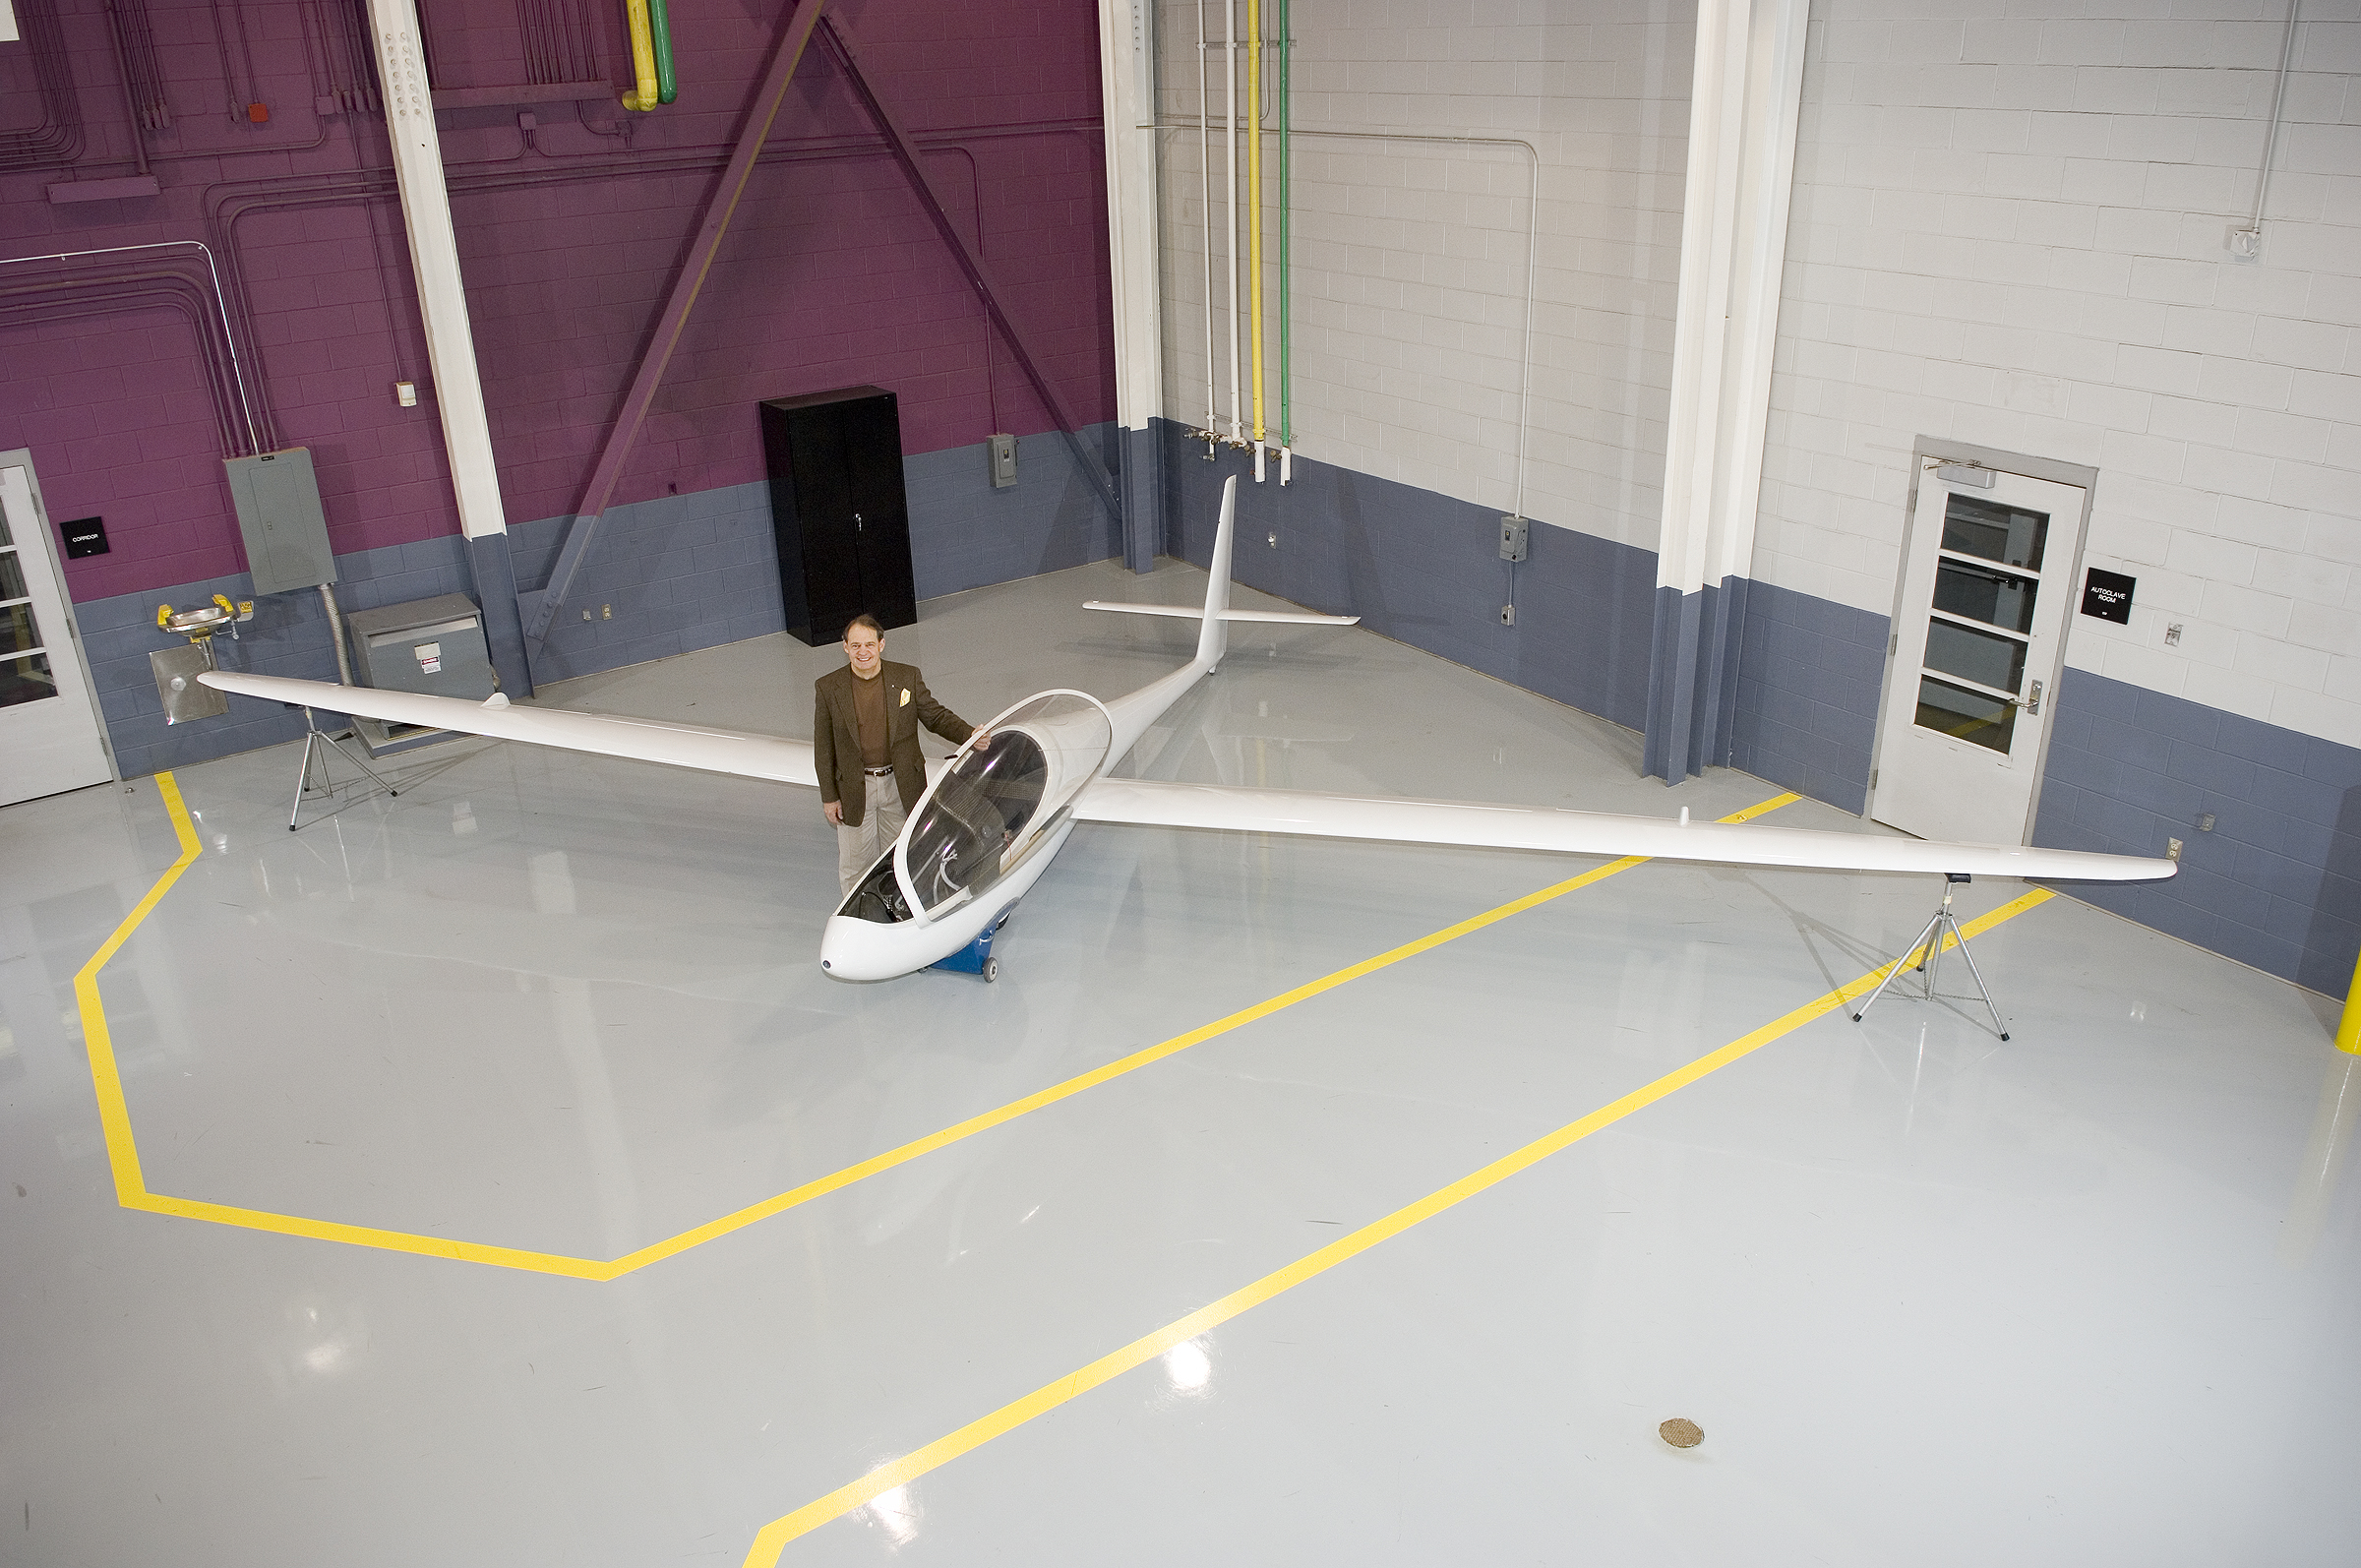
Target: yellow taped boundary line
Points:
(131, 1189)
(122, 1153)
(773, 1537)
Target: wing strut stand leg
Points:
(314, 736)
(1929, 948)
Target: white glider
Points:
(992, 821)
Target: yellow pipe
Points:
(1255, 198)
(644, 55)
(2348, 1030)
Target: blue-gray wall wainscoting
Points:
(288, 635)
(1806, 711)
(2277, 884)
(681, 572)
(1425, 570)
(1693, 679)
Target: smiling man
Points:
(864, 743)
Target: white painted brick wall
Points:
(1409, 258)
(2009, 229)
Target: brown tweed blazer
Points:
(836, 735)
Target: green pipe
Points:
(659, 26)
(1287, 429)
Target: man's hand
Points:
(835, 810)
(983, 740)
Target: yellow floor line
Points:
(132, 1193)
(122, 1152)
(774, 1536)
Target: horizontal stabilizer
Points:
(1183, 612)
(765, 756)
(1150, 803)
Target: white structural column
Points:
(449, 343)
(1128, 91)
(435, 263)
(1748, 85)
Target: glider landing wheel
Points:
(992, 970)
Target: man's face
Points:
(864, 649)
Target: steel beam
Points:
(540, 608)
(977, 269)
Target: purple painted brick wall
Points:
(568, 232)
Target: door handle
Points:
(856, 525)
(2032, 704)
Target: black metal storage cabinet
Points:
(837, 506)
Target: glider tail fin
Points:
(1213, 636)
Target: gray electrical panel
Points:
(278, 499)
(1003, 461)
(432, 645)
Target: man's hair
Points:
(866, 620)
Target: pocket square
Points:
(905, 696)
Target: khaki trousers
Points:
(858, 848)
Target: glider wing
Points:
(1149, 803)
(765, 756)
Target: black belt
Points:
(877, 772)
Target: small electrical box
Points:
(285, 532)
(1513, 538)
(1003, 461)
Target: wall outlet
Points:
(606, 612)
(405, 394)
(2172, 849)
(1508, 615)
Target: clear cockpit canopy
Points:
(992, 808)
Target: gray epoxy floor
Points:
(2087, 1297)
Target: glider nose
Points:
(856, 949)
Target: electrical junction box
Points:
(431, 645)
(1513, 538)
(277, 498)
(1003, 461)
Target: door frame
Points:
(1935, 448)
(22, 458)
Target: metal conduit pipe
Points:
(1287, 424)
(1255, 209)
(228, 204)
(1205, 190)
(253, 437)
(1230, 115)
(86, 301)
(1532, 192)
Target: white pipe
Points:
(2278, 103)
(1205, 181)
(229, 341)
(1532, 206)
(1229, 42)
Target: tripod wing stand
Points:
(1929, 947)
(315, 737)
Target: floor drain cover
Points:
(1681, 1432)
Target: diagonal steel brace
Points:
(540, 608)
(978, 270)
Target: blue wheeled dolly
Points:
(976, 957)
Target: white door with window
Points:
(49, 735)
(1979, 629)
